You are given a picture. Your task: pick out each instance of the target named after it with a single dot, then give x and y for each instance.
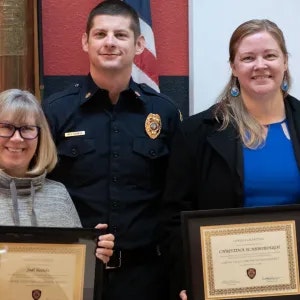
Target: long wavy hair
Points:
(231, 109)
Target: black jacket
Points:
(206, 170)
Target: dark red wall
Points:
(63, 22)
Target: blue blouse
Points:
(271, 174)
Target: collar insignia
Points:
(137, 93)
(180, 115)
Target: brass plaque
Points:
(12, 27)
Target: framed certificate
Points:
(49, 263)
(242, 253)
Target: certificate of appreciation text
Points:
(250, 260)
(46, 271)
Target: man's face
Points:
(111, 44)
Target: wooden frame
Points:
(74, 245)
(193, 221)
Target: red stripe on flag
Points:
(148, 64)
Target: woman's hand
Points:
(105, 245)
(183, 295)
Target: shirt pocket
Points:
(151, 157)
(75, 147)
(76, 158)
(150, 148)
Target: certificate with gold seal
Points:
(242, 253)
(252, 259)
(34, 266)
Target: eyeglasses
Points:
(27, 132)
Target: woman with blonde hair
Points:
(27, 154)
(244, 151)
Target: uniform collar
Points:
(89, 89)
(137, 91)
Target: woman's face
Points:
(259, 65)
(16, 152)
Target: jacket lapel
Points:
(226, 144)
(292, 108)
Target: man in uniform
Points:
(113, 137)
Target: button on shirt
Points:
(113, 170)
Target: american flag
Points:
(145, 65)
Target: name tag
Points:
(75, 133)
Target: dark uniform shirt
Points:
(113, 170)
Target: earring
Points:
(284, 84)
(234, 91)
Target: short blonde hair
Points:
(21, 104)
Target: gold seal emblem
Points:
(251, 273)
(153, 125)
(36, 294)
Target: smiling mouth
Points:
(15, 150)
(261, 76)
(110, 54)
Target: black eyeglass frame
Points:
(19, 129)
